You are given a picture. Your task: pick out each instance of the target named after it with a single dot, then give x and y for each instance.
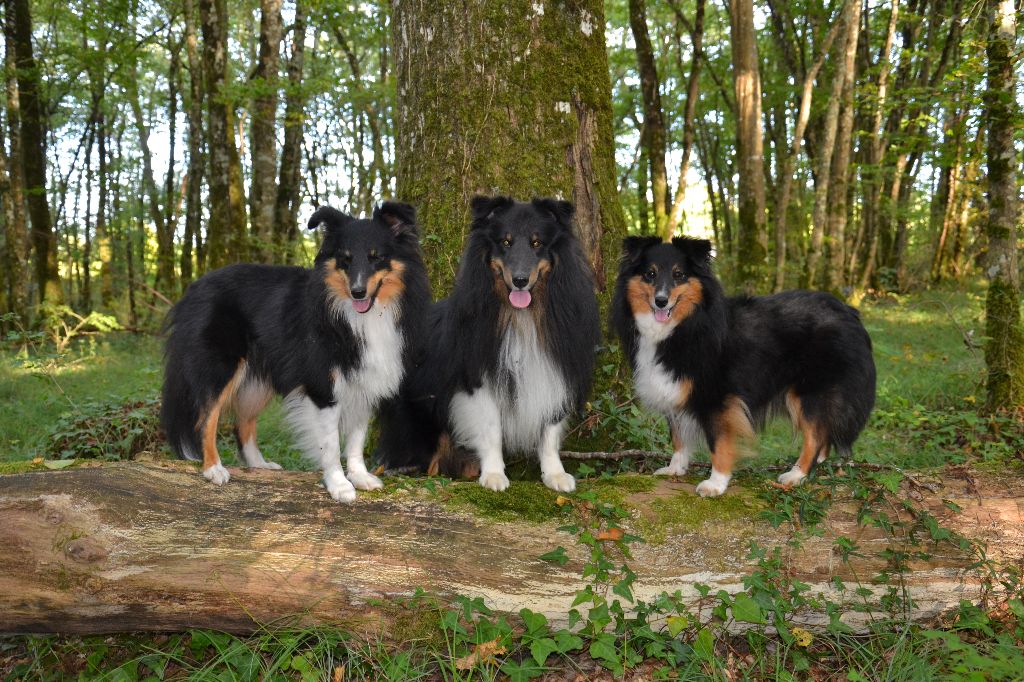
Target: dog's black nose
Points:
(359, 293)
(661, 301)
(520, 281)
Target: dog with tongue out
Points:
(510, 353)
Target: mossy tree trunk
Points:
(508, 97)
(1004, 352)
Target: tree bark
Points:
(194, 188)
(130, 547)
(752, 235)
(654, 135)
(33, 149)
(286, 207)
(835, 242)
(1004, 351)
(525, 110)
(226, 240)
(16, 235)
(263, 189)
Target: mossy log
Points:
(153, 546)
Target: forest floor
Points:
(98, 398)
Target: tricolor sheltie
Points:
(509, 355)
(332, 340)
(717, 367)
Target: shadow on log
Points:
(128, 547)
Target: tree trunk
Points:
(166, 268)
(943, 209)
(654, 135)
(226, 234)
(103, 245)
(752, 235)
(835, 242)
(130, 547)
(286, 207)
(539, 122)
(789, 159)
(690, 110)
(1004, 351)
(16, 235)
(263, 190)
(33, 150)
(194, 188)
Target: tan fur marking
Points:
(336, 280)
(813, 443)
(389, 283)
(209, 422)
(685, 390)
(734, 433)
(687, 296)
(639, 294)
(677, 440)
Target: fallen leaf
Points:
(803, 637)
(787, 487)
(561, 500)
(610, 535)
(339, 673)
(379, 470)
(58, 463)
(36, 461)
(481, 654)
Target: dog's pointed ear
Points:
(331, 218)
(634, 247)
(563, 211)
(483, 207)
(697, 250)
(399, 217)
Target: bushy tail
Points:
(179, 409)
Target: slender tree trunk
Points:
(1004, 351)
(16, 235)
(165, 267)
(540, 123)
(226, 234)
(103, 245)
(263, 189)
(654, 135)
(643, 205)
(789, 160)
(33, 148)
(286, 207)
(690, 110)
(752, 237)
(944, 201)
(194, 188)
(86, 289)
(835, 241)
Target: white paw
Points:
(217, 474)
(671, 470)
(792, 477)
(711, 488)
(364, 480)
(494, 480)
(560, 482)
(339, 487)
(266, 465)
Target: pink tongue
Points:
(519, 299)
(362, 305)
(661, 314)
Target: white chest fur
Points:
(652, 381)
(379, 372)
(528, 386)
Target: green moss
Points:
(523, 501)
(19, 467)
(615, 490)
(685, 510)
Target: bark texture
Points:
(752, 235)
(16, 234)
(1004, 352)
(263, 190)
(33, 149)
(226, 233)
(130, 547)
(525, 110)
(196, 164)
(286, 207)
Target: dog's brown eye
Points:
(506, 243)
(650, 275)
(536, 243)
(678, 276)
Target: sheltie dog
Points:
(718, 367)
(333, 341)
(509, 355)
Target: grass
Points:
(930, 383)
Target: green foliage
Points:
(111, 430)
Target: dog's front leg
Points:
(476, 424)
(317, 428)
(552, 472)
(355, 424)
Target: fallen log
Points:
(130, 546)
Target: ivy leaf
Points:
(58, 463)
(534, 622)
(566, 641)
(603, 648)
(704, 645)
(677, 624)
(746, 610)
(556, 556)
(521, 671)
(540, 649)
